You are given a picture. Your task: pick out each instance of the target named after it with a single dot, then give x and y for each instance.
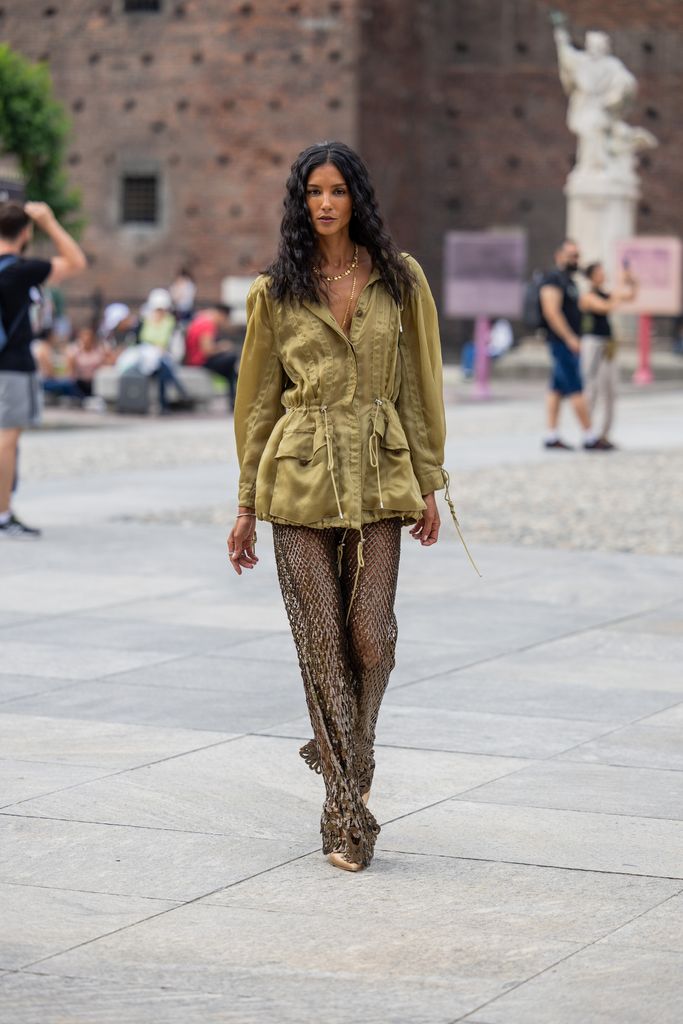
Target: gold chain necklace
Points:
(348, 304)
(338, 277)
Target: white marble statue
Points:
(600, 89)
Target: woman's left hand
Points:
(426, 529)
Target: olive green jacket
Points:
(336, 431)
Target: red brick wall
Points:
(463, 115)
(456, 105)
(220, 95)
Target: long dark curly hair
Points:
(291, 272)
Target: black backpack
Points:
(532, 314)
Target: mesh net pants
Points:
(345, 642)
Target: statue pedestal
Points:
(600, 210)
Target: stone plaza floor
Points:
(159, 845)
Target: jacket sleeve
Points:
(259, 389)
(420, 401)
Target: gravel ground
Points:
(505, 491)
(628, 502)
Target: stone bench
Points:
(198, 382)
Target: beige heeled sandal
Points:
(338, 860)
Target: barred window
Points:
(140, 199)
(141, 5)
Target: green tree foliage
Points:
(35, 127)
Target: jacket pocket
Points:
(393, 435)
(297, 444)
(303, 491)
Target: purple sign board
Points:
(484, 273)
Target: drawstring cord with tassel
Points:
(449, 502)
(360, 565)
(374, 450)
(330, 459)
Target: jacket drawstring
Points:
(374, 451)
(340, 553)
(330, 459)
(449, 502)
(360, 565)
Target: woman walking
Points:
(340, 434)
(598, 346)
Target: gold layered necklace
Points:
(337, 277)
(348, 312)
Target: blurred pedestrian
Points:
(19, 387)
(204, 346)
(183, 292)
(84, 358)
(562, 321)
(598, 345)
(158, 322)
(51, 362)
(119, 326)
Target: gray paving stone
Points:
(62, 591)
(640, 745)
(671, 718)
(246, 996)
(624, 644)
(95, 630)
(468, 898)
(58, 662)
(517, 624)
(258, 786)
(232, 709)
(590, 787)
(120, 860)
(659, 928)
(307, 944)
(504, 686)
(579, 663)
(21, 780)
(580, 840)
(603, 985)
(38, 922)
(102, 744)
(480, 732)
(12, 687)
(210, 609)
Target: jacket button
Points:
(359, 312)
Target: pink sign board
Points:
(484, 273)
(656, 264)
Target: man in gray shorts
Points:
(19, 389)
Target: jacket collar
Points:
(323, 313)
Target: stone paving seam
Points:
(587, 945)
(540, 643)
(38, 693)
(86, 609)
(179, 905)
(119, 771)
(617, 764)
(531, 864)
(426, 750)
(88, 892)
(549, 807)
(601, 736)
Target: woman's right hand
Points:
(241, 541)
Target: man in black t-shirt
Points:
(19, 277)
(562, 321)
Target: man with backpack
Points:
(19, 387)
